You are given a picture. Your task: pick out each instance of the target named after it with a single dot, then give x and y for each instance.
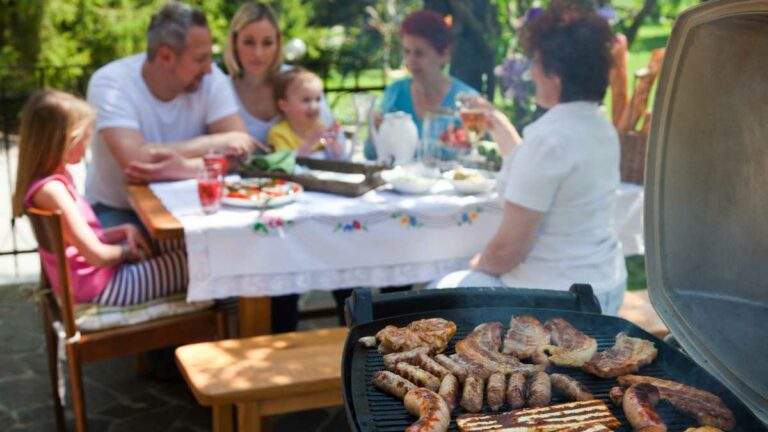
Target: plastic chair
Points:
(84, 347)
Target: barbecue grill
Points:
(706, 237)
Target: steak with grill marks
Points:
(481, 347)
(705, 407)
(526, 336)
(570, 346)
(627, 355)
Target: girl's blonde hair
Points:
(283, 81)
(247, 13)
(50, 122)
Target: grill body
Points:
(369, 409)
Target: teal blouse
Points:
(397, 97)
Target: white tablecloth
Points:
(326, 242)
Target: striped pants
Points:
(160, 276)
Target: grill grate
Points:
(380, 412)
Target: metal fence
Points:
(16, 85)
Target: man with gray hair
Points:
(158, 112)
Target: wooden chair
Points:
(100, 345)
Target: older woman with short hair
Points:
(559, 180)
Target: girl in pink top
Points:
(113, 266)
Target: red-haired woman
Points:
(425, 39)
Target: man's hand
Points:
(236, 143)
(164, 164)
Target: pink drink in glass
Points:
(210, 189)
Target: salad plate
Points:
(260, 192)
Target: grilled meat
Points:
(481, 347)
(418, 376)
(391, 360)
(570, 346)
(705, 407)
(539, 390)
(627, 355)
(617, 395)
(430, 365)
(703, 429)
(433, 333)
(638, 403)
(495, 391)
(472, 396)
(430, 408)
(549, 419)
(586, 428)
(393, 384)
(570, 388)
(449, 390)
(516, 390)
(458, 370)
(526, 335)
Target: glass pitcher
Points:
(444, 140)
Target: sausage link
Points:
(539, 390)
(639, 400)
(472, 397)
(456, 369)
(430, 408)
(449, 390)
(496, 386)
(393, 384)
(391, 360)
(418, 376)
(428, 364)
(516, 390)
(570, 388)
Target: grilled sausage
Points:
(495, 390)
(639, 400)
(449, 390)
(539, 390)
(430, 408)
(393, 384)
(425, 362)
(472, 396)
(516, 390)
(617, 396)
(456, 369)
(570, 388)
(418, 376)
(391, 360)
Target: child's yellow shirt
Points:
(282, 137)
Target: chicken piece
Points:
(627, 355)
(526, 335)
(433, 333)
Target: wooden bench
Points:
(264, 375)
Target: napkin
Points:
(281, 161)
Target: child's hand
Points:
(138, 246)
(313, 138)
(331, 138)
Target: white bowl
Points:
(478, 182)
(408, 182)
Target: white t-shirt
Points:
(567, 168)
(122, 99)
(259, 128)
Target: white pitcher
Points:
(397, 138)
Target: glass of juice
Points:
(210, 186)
(212, 158)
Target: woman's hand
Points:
(498, 125)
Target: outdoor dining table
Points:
(328, 242)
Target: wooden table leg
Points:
(222, 418)
(255, 316)
(249, 418)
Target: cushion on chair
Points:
(94, 317)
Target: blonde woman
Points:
(109, 266)
(253, 54)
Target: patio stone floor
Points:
(117, 399)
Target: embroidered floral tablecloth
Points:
(326, 242)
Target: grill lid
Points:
(707, 193)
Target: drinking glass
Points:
(363, 103)
(213, 157)
(210, 187)
(443, 140)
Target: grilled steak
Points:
(472, 396)
(539, 390)
(393, 384)
(516, 390)
(481, 348)
(526, 335)
(627, 355)
(571, 347)
(391, 360)
(638, 403)
(433, 333)
(495, 391)
(705, 407)
(418, 376)
(449, 390)
(548, 419)
(430, 408)
(570, 388)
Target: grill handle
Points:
(362, 307)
